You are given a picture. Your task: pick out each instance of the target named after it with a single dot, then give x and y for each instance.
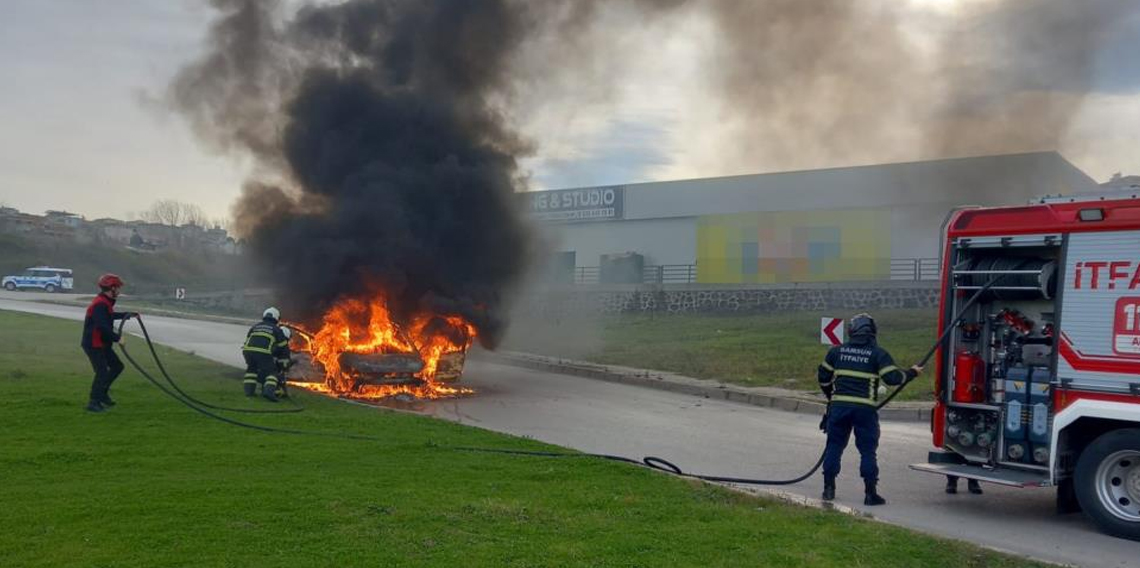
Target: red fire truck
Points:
(1038, 384)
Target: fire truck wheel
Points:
(1107, 482)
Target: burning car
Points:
(361, 351)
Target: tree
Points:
(163, 212)
(224, 223)
(193, 215)
(174, 213)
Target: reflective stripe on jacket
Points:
(851, 373)
(264, 337)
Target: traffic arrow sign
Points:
(831, 331)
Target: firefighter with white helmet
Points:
(262, 343)
(850, 377)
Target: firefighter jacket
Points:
(283, 354)
(265, 337)
(851, 373)
(98, 325)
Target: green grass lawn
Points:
(151, 483)
(778, 349)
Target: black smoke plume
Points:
(382, 137)
(383, 162)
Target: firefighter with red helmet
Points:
(98, 338)
(850, 377)
(263, 343)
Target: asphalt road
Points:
(719, 438)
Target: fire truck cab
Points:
(1038, 384)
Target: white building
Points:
(838, 224)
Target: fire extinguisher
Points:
(969, 377)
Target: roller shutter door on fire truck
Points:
(1100, 312)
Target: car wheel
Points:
(1107, 482)
(50, 288)
(10, 286)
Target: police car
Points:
(44, 278)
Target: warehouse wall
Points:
(989, 180)
(794, 246)
(840, 224)
(662, 241)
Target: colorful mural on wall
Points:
(794, 246)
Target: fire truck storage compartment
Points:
(1000, 359)
(1019, 277)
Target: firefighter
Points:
(98, 339)
(283, 357)
(261, 343)
(850, 377)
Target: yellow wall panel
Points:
(794, 246)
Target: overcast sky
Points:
(80, 129)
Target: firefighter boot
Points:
(106, 401)
(249, 384)
(974, 487)
(952, 485)
(872, 497)
(269, 390)
(94, 406)
(828, 488)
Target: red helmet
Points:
(108, 281)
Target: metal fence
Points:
(670, 274)
(902, 269)
(915, 269)
(586, 274)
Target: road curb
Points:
(779, 399)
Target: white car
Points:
(44, 278)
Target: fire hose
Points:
(651, 462)
(184, 394)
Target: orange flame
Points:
(367, 327)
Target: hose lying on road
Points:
(189, 401)
(669, 467)
(651, 462)
(184, 394)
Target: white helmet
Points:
(287, 332)
(271, 313)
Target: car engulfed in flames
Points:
(361, 351)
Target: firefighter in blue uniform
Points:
(850, 377)
(263, 343)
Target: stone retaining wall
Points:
(711, 299)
